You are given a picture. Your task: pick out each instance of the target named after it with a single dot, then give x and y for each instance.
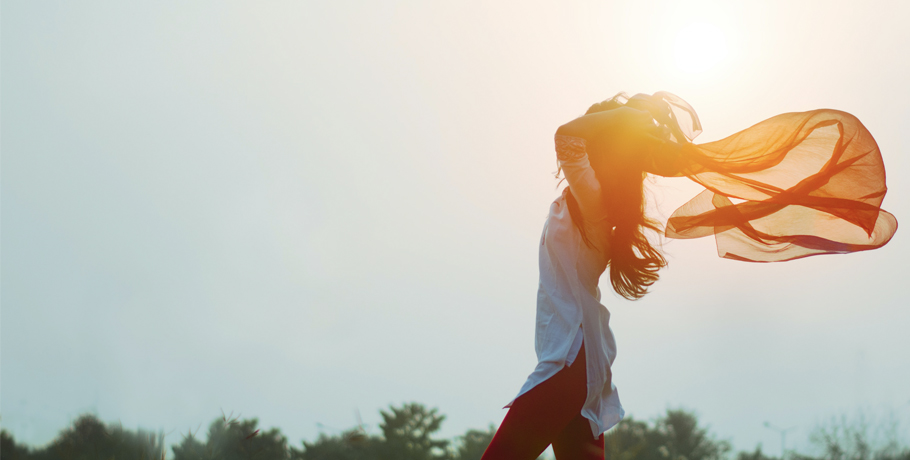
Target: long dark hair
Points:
(634, 262)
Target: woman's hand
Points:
(594, 125)
(622, 131)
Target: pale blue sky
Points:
(297, 210)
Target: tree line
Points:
(410, 432)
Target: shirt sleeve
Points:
(573, 160)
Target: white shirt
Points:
(568, 299)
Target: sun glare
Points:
(699, 47)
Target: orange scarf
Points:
(805, 183)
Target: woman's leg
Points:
(537, 417)
(577, 442)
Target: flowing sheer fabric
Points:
(806, 183)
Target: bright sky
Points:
(296, 210)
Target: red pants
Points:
(549, 413)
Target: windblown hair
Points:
(634, 262)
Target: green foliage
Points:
(190, 449)
(630, 440)
(408, 431)
(235, 440)
(353, 444)
(407, 434)
(685, 440)
(676, 436)
(9, 450)
(473, 443)
(861, 438)
(90, 439)
(756, 455)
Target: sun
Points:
(699, 47)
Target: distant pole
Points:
(783, 437)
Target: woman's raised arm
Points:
(573, 161)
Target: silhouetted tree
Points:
(90, 439)
(408, 434)
(235, 440)
(756, 455)
(861, 438)
(631, 440)
(353, 444)
(9, 450)
(675, 436)
(473, 443)
(191, 449)
(685, 440)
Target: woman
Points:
(811, 183)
